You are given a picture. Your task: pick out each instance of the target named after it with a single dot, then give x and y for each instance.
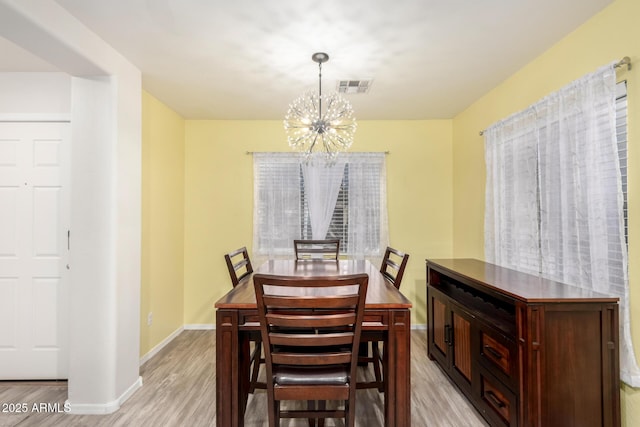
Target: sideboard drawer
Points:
(500, 403)
(496, 353)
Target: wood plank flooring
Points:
(179, 390)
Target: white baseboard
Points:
(200, 326)
(160, 346)
(103, 408)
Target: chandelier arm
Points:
(300, 143)
(298, 111)
(299, 139)
(296, 126)
(332, 149)
(343, 127)
(295, 140)
(327, 144)
(340, 141)
(313, 144)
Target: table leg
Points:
(397, 355)
(229, 403)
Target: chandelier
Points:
(311, 128)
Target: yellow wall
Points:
(219, 198)
(606, 37)
(162, 222)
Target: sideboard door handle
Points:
(447, 335)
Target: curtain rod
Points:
(253, 152)
(626, 61)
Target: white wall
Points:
(28, 95)
(105, 112)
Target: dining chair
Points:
(327, 249)
(239, 265)
(392, 268)
(311, 330)
(393, 265)
(240, 268)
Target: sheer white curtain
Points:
(322, 182)
(511, 218)
(567, 169)
(368, 234)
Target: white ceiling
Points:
(247, 59)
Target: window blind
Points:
(282, 208)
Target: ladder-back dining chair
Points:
(311, 332)
(240, 268)
(327, 249)
(239, 265)
(392, 268)
(393, 265)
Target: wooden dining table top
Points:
(380, 293)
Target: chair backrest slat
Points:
(311, 340)
(290, 301)
(312, 359)
(311, 321)
(393, 266)
(327, 249)
(239, 265)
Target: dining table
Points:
(387, 310)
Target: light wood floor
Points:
(179, 390)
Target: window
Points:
(284, 207)
(556, 202)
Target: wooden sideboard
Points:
(526, 351)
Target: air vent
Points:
(353, 86)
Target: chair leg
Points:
(273, 408)
(257, 355)
(349, 412)
(377, 370)
(322, 405)
(311, 406)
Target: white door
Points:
(34, 221)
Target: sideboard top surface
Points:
(520, 286)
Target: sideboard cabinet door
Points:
(572, 365)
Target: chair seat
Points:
(300, 375)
